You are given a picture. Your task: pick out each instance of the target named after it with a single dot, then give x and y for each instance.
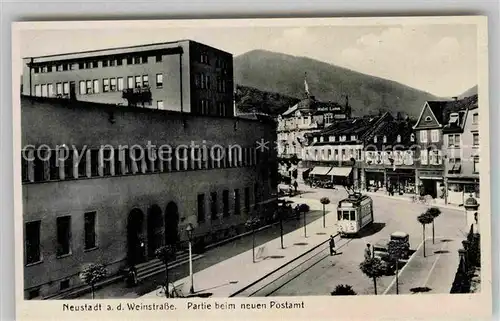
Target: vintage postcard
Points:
(252, 169)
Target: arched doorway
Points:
(171, 224)
(135, 240)
(155, 230)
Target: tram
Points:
(354, 213)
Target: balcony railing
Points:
(135, 96)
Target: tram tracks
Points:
(283, 276)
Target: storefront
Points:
(430, 182)
(459, 189)
(402, 181)
(375, 179)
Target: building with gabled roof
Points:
(435, 119)
(462, 150)
(336, 153)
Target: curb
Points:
(279, 268)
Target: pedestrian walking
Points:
(295, 185)
(368, 252)
(332, 246)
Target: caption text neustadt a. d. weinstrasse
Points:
(187, 305)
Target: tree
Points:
(396, 250)
(434, 212)
(165, 254)
(373, 268)
(424, 219)
(343, 289)
(91, 274)
(324, 201)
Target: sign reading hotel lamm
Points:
(328, 108)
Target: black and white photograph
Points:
(252, 165)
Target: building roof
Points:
(443, 109)
(361, 127)
(115, 50)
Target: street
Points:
(321, 274)
(390, 216)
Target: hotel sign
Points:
(328, 109)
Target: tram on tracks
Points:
(353, 214)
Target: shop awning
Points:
(340, 171)
(320, 170)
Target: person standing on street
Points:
(368, 252)
(332, 246)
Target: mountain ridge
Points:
(284, 75)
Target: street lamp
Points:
(189, 230)
(252, 223)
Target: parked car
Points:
(405, 239)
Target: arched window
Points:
(428, 118)
(412, 137)
(385, 139)
(399, 138)
(375, 139)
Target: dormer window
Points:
(454, 117)
(321, 139)
(331, 138)
(398, 139)
(385, 139)
(344, 138)
(412, 137)
(353, 137)
(375, 139)
(315, 139)
(428, 118)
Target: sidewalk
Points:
(432, 274)
(228, 277)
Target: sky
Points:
(440, 59)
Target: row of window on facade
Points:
(94, 63)
(45, 165)
(32, 234)
(333, 154)
(453, 139)
(206, 107)
(203, 81)
(455, 165)
(204, 58)
(94, 87)
(236, 203)
(33, 229)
